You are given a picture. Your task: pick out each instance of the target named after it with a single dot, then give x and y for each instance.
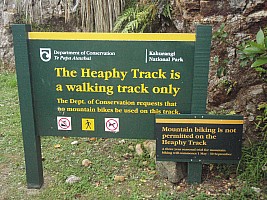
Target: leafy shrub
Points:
(220, 34)
(255, 52)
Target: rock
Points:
(251, 108)
(173, 171)
(256, 90)
(57, 146)
(119, 178)
(131, 147)
(251, 118)
(73, 179)
(8, 18)
(208, 8)
(86, 163)
(256, 20)
(238, 5)
(150, 146)
(179, 24)
(92, 139)
(152, 172)
(138, 149)
(145, 163)
(255, 189)
(75, 142)
(122, 141)
(192, 6)
(127, 156)
(253, 6)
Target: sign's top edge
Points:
(112, 36)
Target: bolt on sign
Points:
(105, 84)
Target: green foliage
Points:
(253, 160)
(37, 27)
(244, 58)
(224, 170)
(166, 196)
(141, 17)
(136, 19)
(222, 112)
(130, 3)
(222, 66)
(255, 52)
(167, 10)
(228, 85)
(42, 27)
(261, 124)
(220, 34)
(221, 71)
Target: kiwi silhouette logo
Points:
(45, 54)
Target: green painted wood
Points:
(200, 85)
(194, 172)
(32, 144)
(201, 69)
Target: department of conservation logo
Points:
(45, 54)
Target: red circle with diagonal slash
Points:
(114, 124)
(64, 124)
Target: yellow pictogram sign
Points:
(88, 124)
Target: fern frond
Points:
(136, 19)
(130, 27)
(124, 19)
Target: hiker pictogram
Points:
(88, 124)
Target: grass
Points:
(109, 157)
(253, 161)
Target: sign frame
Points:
(31, 139)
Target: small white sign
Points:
(64, 123)
(112, 125)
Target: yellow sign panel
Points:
(88, 124)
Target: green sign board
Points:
(199, 138)
(109, 88)
(105, 84)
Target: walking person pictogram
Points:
(88, 124)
